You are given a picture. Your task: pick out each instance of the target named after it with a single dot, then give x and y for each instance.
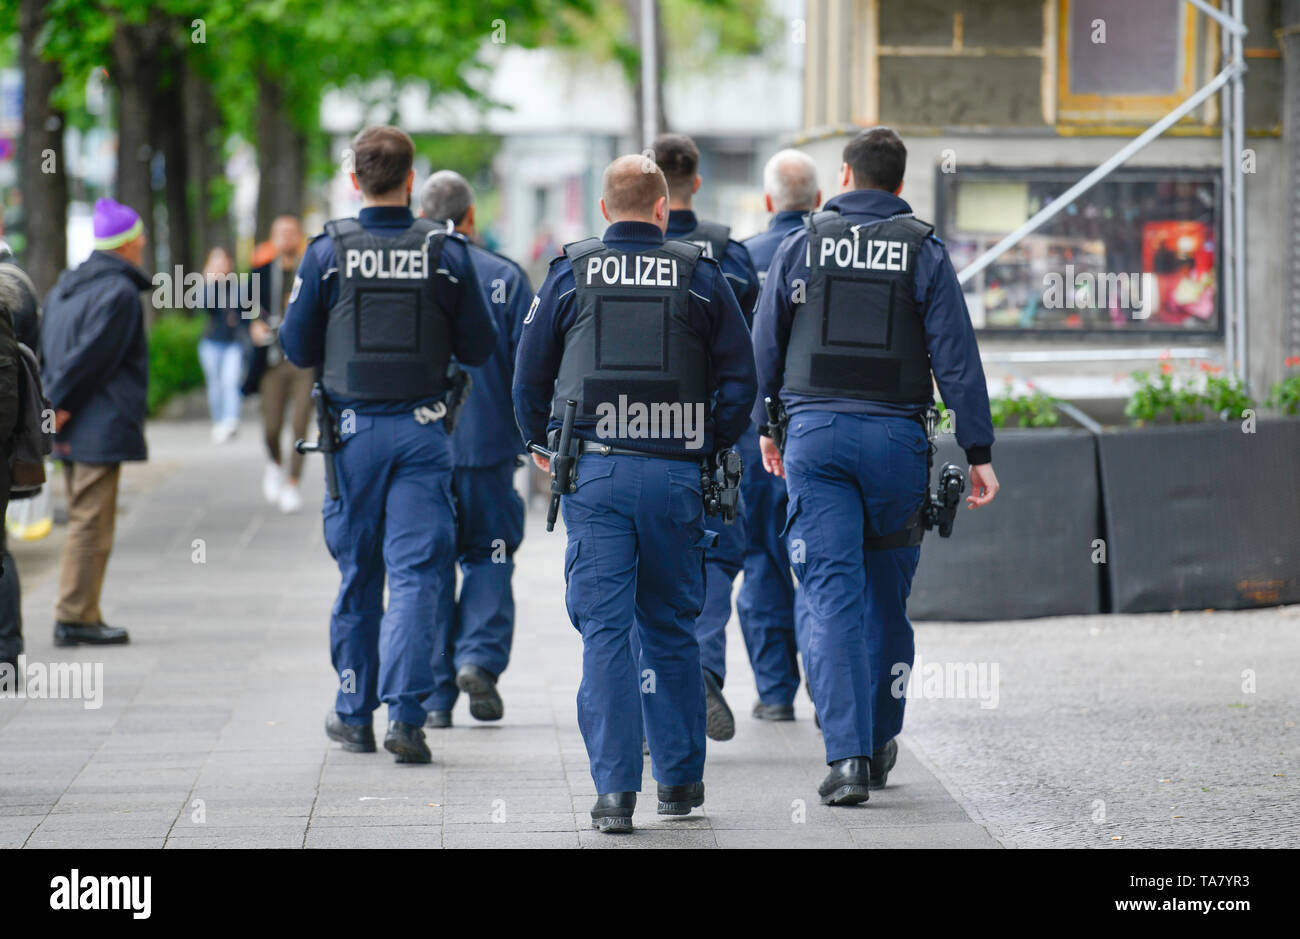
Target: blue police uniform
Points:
(477, 627)
(394, 514)
(725, 559)
(856, 463)
(771, 612)
(635, 523)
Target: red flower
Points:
(1166, 368)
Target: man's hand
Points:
(983, 485)
(259, 332)
(61, 417)
(771, 457)
(542, 462)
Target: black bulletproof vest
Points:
(711, 237)
(859, 333)
(387, 337)
(631, 332)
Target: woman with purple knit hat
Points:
(95, 367)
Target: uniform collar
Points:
(385, 215)
(790, 218)
(632, 234)
(681, 222)
(873, 202)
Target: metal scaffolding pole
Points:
(1230, 86)
(1239, 199)
(1226, 251)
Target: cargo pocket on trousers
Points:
(796, 549)
(571, 552)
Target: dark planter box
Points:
(1202, 516)
(1028, 553)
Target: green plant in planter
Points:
(1153, 399)
(1286, 393)
(1226, 397)
(1032, 410)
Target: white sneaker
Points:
(231, 427)
(218, 432)
(272, 481)
(290, 500)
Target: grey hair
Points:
(446, 195)
(790, 178)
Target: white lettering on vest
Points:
(632, 270)
(868, 255)
(386, 264)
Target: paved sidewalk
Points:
(209, 734)
(210, 729)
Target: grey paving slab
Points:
(208, 734)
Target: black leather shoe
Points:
(847, 783)
(882, 761)
(406, 743)
(437, 719)
(719, 723)
(90, 634)
(484, 702)
(612, 812)
(356, 738)
(773, 712)
(679, 800)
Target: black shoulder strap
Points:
(343, 228)
(813, 219)
(712, 231)
(577, 250)
(919, 228)
(684, 250)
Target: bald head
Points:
(790, 182)
(446, 195)
(634, 190)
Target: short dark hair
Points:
(382, 157)
(878, 159)
(631, 186)
(679, 159)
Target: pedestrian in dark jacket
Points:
(95, 365)
(18, 315)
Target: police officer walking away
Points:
(381, 303)
(632, 326)
(771, 622)
(472, 645)
(679, 159)
(851, 358)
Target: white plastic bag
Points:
(31, 519)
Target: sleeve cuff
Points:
(976, 456)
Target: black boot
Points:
(612, 812)
(679, 800)
(90, 634)
(719, 723)
(882, 761)
(438, 719)
(484, 702)
(406, 743)
(773, 712)
(847, 783)
(356, 738)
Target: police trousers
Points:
(394, 518)
(852, 476)
(477, 627)
(635, 561)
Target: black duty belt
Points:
(604, 449)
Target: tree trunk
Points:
(135, 75)
(204, 135)
(168, 127)
(45, 207)
(281, 158)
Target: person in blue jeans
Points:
(221, 350)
